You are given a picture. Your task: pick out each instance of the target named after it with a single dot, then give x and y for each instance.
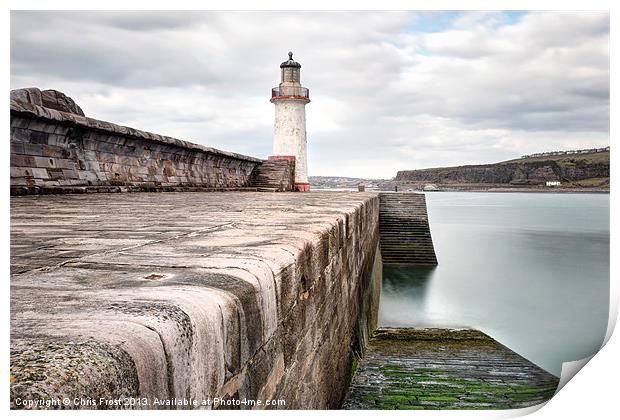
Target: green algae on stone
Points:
(445, 369)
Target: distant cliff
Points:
(579, 170)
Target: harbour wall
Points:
(58, 151)
(405, 230)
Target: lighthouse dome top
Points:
(290, 62)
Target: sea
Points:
(529, 269)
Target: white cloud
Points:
(385, 96)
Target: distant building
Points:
(431, 187)
(553, 183)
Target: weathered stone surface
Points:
(191, 295)
(50, 98)
(276, 175)
(406, 368)
(28, 95)
(59, 101)
(54, 151)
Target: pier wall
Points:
(405, 231)
(59, 151)
(231, 295)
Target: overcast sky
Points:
(389, 90)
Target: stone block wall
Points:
(405, 230)
(277, 175)
(56, 151)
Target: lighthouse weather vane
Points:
(289, 140)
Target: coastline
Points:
(493, 190)
(529, 190)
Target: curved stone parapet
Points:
(58, 149)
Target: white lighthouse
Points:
(289, 141)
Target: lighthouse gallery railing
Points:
(296, 91)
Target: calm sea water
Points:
(529, 269)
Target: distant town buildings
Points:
(568, 152)
(553, 183)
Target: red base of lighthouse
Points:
(302, 186)
(281, 158)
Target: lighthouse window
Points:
(287, 74)
(290, 74)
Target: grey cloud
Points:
(383, 98)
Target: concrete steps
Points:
(404, 230)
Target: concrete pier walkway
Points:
(445, 369)
(190, 300)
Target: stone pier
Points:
(181, 300)
(191, 296)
